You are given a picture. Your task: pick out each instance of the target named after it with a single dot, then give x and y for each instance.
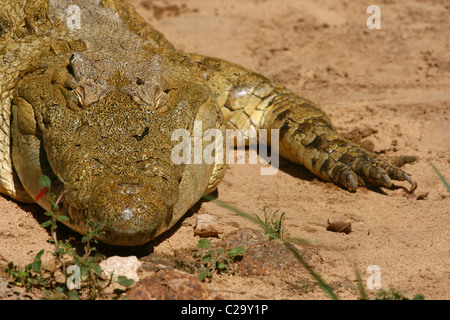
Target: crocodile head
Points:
(103, 125)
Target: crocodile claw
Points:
(365, 170)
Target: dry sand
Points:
(387, 89)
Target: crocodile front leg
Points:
(307, 137)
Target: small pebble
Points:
(340, 226)
(207, 226)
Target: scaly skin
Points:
(93, 103)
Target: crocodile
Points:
(91, 94)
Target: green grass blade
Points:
(326, 288)
(440, 176)
(225, 205)
(361, 289)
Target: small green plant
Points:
(218, 260)
(394, 294)
(272, 225)
(31, 276)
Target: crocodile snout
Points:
(132, 212)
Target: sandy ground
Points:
(388, 89)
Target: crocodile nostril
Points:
(142, 135)
(129, 188)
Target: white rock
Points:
(207, 226)
(121, 266)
